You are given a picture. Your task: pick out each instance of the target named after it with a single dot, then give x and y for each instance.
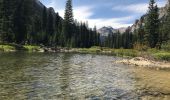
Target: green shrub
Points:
(125, 52)
(7, 48)
(140, 47)
(162, 56)
(166, 46)
(32, 48)
(153, 50)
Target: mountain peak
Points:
(105, 31)
(107, 27)
(110, 27)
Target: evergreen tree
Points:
(95, 35)
(58, 29)
(68, 22)
(152, 25)
(21, 22)
(44, 19)
(6, 18)
(1, 19)
(50, 27)
(140, 35)
(165, 34)
(68, 17)
(117, 40)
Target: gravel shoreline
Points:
(143, 62)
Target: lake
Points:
(59, 76)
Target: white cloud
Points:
(162, 3)
(56, 4)
(140, 8)
(80, 13)
(114, 22)
(134, 8)
(84, 13)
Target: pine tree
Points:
(58, 29)
(68, 17)
(165, 36)
(94, 36)
(50, 27)
(117, 40)
(19, 23)
(22, 20)
(68, 22)
(127, 39)
(1, 19)
(6, 18)
(44, 19)
(140, 34)
(152, 25)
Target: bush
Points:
(153, 50)
(166, 46)
(7, 48)
(32, 48)
(140, 47)
(125, 52)
(162, 56)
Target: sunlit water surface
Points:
(52, 76)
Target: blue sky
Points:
(115, 13)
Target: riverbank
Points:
(15, 47)
(144, 62)
(151, 54)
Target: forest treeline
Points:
(153, 32)
(30, 22)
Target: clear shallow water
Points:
(51, 76)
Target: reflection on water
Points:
(38, 76)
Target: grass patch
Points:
(31, 48)
(166, 46)
(110, 51)
(150, 53)
(16, 47)
(153, 51)
(87, 50)
(162, 56)
(125, 52)
(7, 48)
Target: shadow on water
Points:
(64, 77)
(44, 76)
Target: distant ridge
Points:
(105, 31)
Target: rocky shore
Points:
(143, 62)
